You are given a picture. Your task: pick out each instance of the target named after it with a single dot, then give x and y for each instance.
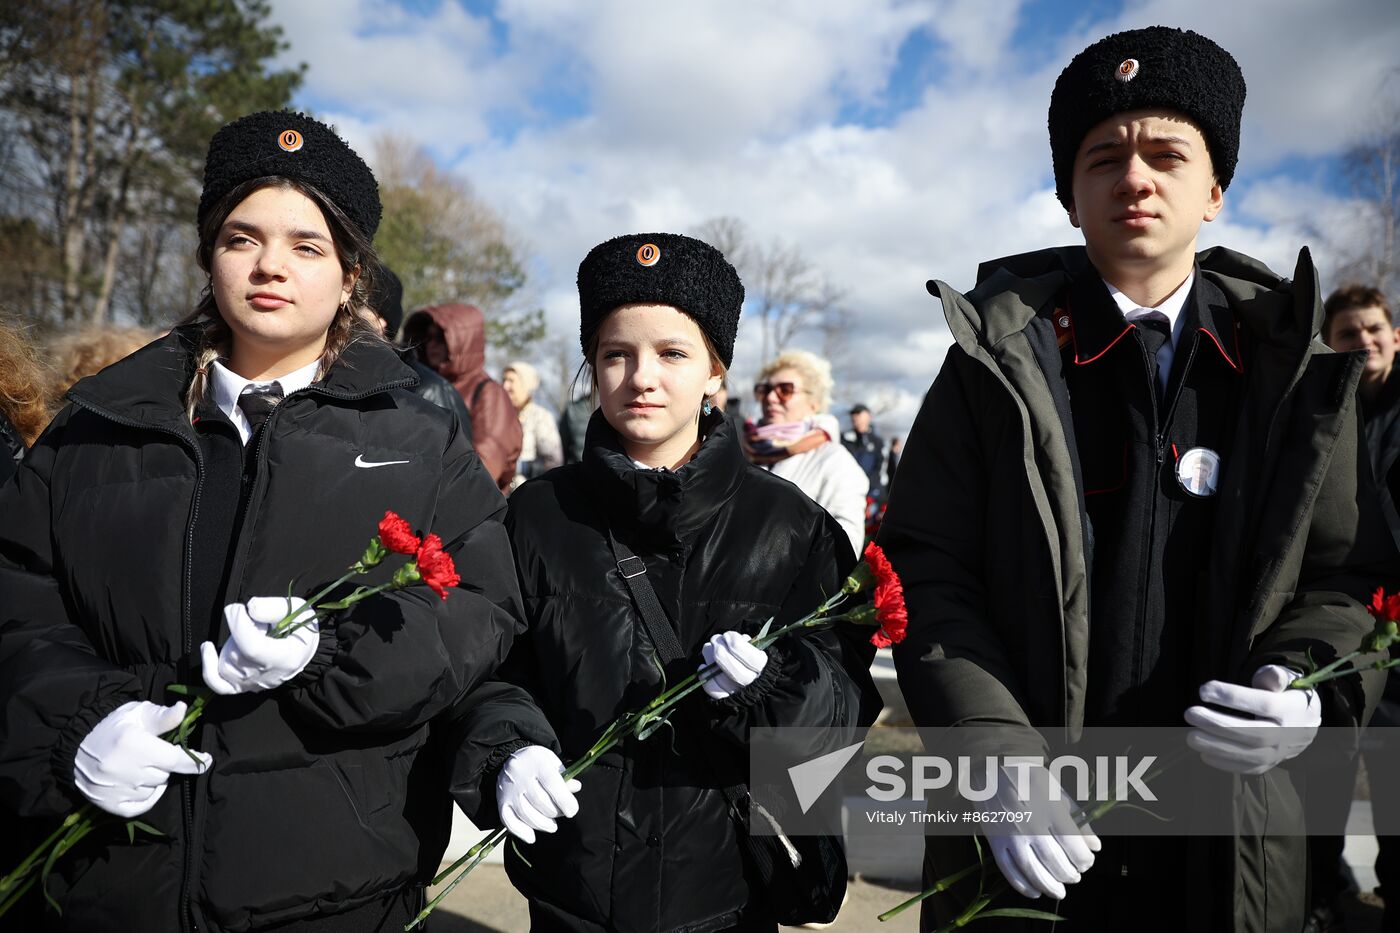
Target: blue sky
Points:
(891, 141)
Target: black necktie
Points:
(1155, 332)
(257, 403)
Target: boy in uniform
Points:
(1136, 498)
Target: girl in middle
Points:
(726, 545)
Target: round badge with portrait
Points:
(1198, 472)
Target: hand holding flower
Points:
(254, 657)
(738, 660)
(1268, 725)
(531, 793)
(123, 765)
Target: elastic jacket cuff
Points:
(496, 760)
(80, 725)
(320, 662)
(782, 662)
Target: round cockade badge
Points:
(1127, 70)
(1198, 472)
(649, 254)
(289, 140)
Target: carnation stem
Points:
(284, 626)
(942, 885)
(1330, 672)
(34, 858)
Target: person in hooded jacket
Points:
(452, 339)
(653, 845)
(151, 537)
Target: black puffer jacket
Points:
(433, 388)
(323, 795)
(726, 545)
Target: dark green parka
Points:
(986, 528)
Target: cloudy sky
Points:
(890, 141)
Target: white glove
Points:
(739, 664)
(531, 792)
(251, 659)
(1046, 852)
(123, 764)
(1273, 725)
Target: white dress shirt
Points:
(227, 386)
(1170, 310)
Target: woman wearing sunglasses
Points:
(651, 843)
(797, 439)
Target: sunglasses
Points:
(785, 390)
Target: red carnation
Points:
(890, 610)
(1385, 608)
(397, 535)
(435, 566)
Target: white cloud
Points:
(1312, 69)
(691, 111)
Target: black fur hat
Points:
(662, 268)
(294, 146)
(1155, 67)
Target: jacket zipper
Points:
(1159, 436)
(186, 799)
(192, 444)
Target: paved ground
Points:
(486, 903)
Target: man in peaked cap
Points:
(1133, 497)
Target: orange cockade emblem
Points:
(649, 254)
(1127, 70)
(290, 140)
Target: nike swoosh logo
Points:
(361, 462)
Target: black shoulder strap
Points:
(633, 571)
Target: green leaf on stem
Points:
(146, 828)
(650, 724)
(515, 844)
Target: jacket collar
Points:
(1096, 323)
(666, 507)
(148, 387)
(1011, 291)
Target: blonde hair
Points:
(23, 380)
(90, 351)
(815, 371)
(353, 319)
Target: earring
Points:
(706, 407)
